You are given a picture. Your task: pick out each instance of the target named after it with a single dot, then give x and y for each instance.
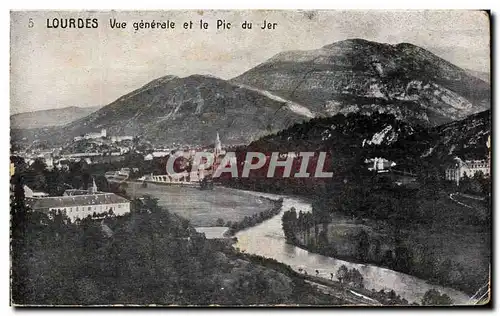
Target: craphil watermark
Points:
(273, 165)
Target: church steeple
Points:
(94, 187)
(218, 144)
(217, 152)
(488, 144)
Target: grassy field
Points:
(203, 207)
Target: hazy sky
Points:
(54, 68)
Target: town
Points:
(269, 158)
(101, 149)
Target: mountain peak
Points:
(161, 80)
(353, 42)
(189, 111)
(357, 75)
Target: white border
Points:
(193, 4)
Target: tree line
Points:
(253, 220)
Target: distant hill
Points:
(188, 110)
(356, 75)
(485, 76)
(52, 117)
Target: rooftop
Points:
(75, 200)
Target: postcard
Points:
(250, 158)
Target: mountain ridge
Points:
(351, 76)
(189, 110)
(359, 75)
(50, 117)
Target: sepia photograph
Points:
(248, 158)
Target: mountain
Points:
(190, 110)
(338, 133)
(52, 117)
(356, 75)
(360, 76)
(466, 139)
(347, 139)
(354, 137)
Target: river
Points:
(267, 239)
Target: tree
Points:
(39, 166)
(39, 183)
(342, 273)
(363, 245)
(18, 209)
(356, 279)
(219, 222)
(475, 183)
(434, 297)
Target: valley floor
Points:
(203, 207)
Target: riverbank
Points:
(455, 255)
(419, 232)
(267, 240)
(272, 236)
(255, 219)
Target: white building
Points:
(96, 135)
(156, 154)
(379, 165)
(116, 139)
(49, 161)
(29, 193)
(469, 168)
(80, 155)
(82, 206)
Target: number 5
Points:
(31, 23)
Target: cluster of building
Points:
(187, 152)
(79, 204)
(54, 160)
(101, 138)
(188, 178)
(120, 175)
(102, 134)
(60, 158)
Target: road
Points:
(467, 196)
(452, 197)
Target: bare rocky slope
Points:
(356, 75)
